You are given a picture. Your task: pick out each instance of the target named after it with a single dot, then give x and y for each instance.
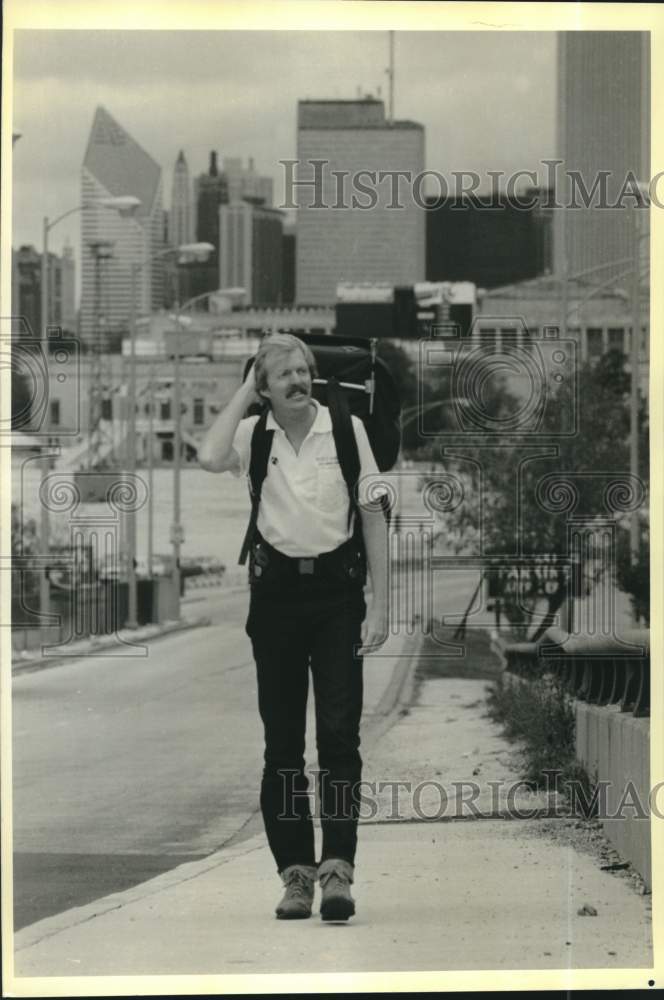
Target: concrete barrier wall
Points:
(614, 747)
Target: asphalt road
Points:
(126, 767)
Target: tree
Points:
(600, 448)
(25, 581)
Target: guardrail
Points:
(602, 670)
(201, 580)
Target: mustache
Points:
(294, 389)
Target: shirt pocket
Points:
(331, 492)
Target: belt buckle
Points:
(305, 566)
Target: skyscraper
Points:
(250, 250)
(26, 290)
(467, 242)
(603, 126)
(211, 191)
(245, 182)
(181, 219)
(359, 244)
(114, 165)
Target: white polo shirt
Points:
(304, 500)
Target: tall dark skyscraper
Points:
(211, 191)
(489, 247)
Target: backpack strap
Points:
(261, 445)
(344, 442)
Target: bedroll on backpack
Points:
(351, 381)
(367, 387)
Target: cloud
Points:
(237, 93)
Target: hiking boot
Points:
(296, 901)
(335, 876)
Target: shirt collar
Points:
(322, 422)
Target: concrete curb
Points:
(50, 926)
(24, 666)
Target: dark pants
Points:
(296, 623)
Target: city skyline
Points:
(442, 79)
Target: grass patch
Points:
(477, 661)
(540, 716)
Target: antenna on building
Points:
(390, 76)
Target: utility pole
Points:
(390, 76)
(45, 521)
(101, 250)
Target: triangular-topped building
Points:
(115, 164)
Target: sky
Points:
(486, 99)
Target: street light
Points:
(183, 254)
(188, 254)
(126, 206)
(183, 308)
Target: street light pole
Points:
(195, 251)
(45, 520)
(132, 616)
(126, 205)
(151, 475)
(176, 528)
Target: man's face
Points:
(288, 381)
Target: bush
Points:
(540, 715)
(635, 579)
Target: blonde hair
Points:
(280, 343)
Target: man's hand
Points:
(216, 452)
(374, 629)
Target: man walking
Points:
(307, 611)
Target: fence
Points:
(609, 677)
(600, 670)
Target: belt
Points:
(264, 554)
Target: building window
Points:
(617, 338)
(199, 411)
(594, 342)
(165, 409)
(107, 409)
(55, 412)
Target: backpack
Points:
(351, 381)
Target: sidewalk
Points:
(467, 889)
(117, 644)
